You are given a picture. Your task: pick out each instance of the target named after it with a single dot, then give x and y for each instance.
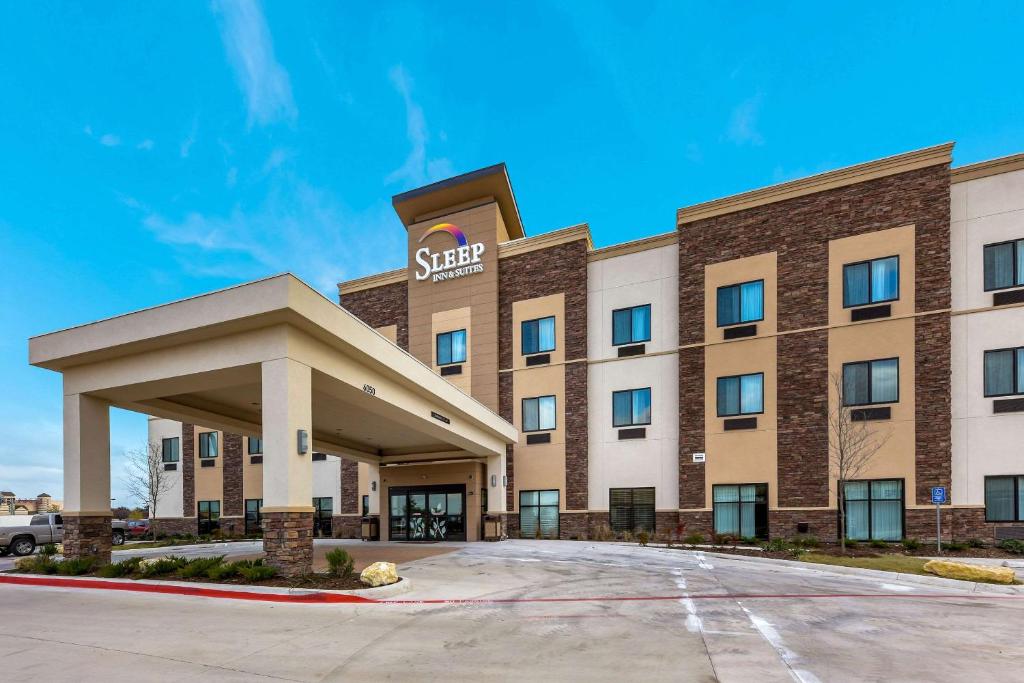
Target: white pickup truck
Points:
(42, 529)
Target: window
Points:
(874, 509)
(366, 506)
(323, 509)
(451, 347)
(253, 516)
(1004, 499)
(1004, 372)
(631, 509)
(255, 445)
(209, 515)
(631, 325)
(631, 407)
(871, 282)
(39, 520)
(871, 382)
(208, 445)
(742, 303)
(538, 336)
(538, 413)
(1004, 265)
(538, 514)
(170, 449)
(740, 510)
(741, 395)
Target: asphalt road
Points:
(711, 619)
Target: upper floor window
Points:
(170, 449)
(742, 303)
(1004, 265)
(871, 282)
(631, 407)
(208, 445)
(1004, 372)
(1004, 499)
(538, 413)
(538, 336)
(255, 445)
(872, 381)
(631, 325)
(451, 347)
(741, 395)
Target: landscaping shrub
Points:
(775, 545)
(694, 539)
(879, 544)
(165, 565)
(339, 563)
(36, 564)
(199, 566)
(911, 544)
(76, 567)
(976, 543)
(955, 546)
(643, 538)
(222, 571)
(116, 570)
(806, 541)
(255, 570)
(1012, 545)
(796, 551)
(603, 533)
(851, 544)
(49, 550)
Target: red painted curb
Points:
(199, 592)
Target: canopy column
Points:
(87, 513)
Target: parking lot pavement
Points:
(557, 610)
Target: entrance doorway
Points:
(428, 513)
(323, 509)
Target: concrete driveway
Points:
(545, 610)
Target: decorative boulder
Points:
(379, 574)
(970, 572)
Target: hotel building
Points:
(684, 383)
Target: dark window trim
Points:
(632, 505)
(868, 363)
(767, 528)
(869, 302)
(522, 413)
(719, 323)
(248, 445)
(437, 342)
(1016, 371)
(207, 457)
(557, 506)
(1018, 514)
(366, 505)
(522, 336)
(870, 499)
(650, 321)
(747, 374)
(1015, 265)
(163, 449)
(632, 417)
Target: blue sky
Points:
(152, 151)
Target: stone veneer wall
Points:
(288, 541)
(799, 230)
(382, 306)
(88, 536)
(691, 427)
(543, 272)
(349, 494)
(188, 469)
(233, 505)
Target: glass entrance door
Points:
(430, 513)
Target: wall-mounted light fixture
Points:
(494, 480)
(303, 442)
(504, 480)
(373, 486)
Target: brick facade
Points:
(188, 469)
(802, 398)
(691, 427)
(88, 536)
(382, 306)
(288, 542)
(347, 526)
(349, 503)
(176, 526)
(233, 505)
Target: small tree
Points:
(852, 444)
(146, 479)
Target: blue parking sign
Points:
(938, 495)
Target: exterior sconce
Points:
(494, 480)
(504, 480)
(303, 442)
(373, 486)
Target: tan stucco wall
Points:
(389, 332)
(469, 473)
(760, 267)
(540, 466)
(531, 309)
(881, 244)
(451, 321)
(252, 475)
(209, 480)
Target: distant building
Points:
(10, 504)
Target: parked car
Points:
(138, 527)
(42, 529)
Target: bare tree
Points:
(852, 444)
(146, 479)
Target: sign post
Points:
(938, 497)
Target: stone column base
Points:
(288, 542)
(231, 527)
(346, 526)
(88, 537)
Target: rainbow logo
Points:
(449, 228)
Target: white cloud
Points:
(110, 140)
(417, 168)
(743, 123)
(145, 145)
(250, 50)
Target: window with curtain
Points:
(631, 325)
(1004, 372)
(538, 514)
(253, 516)
(874, 509)
(538, 336)
(742, 303)
(170, 449)
(1004, 265)
(740, 510)
(538, 413)
(871, 282)
(451, 347)
(871, 382)
(208, 516)
(741, 395)
(1004, 499)
(631, 407)
(208, 445)
(255, 445)
(631, 509)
